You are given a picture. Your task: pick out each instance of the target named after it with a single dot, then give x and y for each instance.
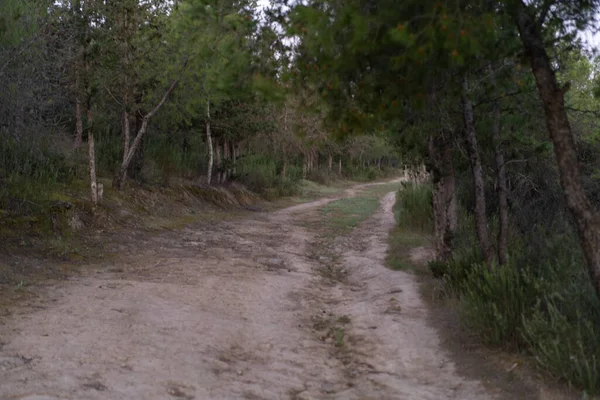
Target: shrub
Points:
(563, 331)
(414, 207)
(260, 174)
(541, 301)
(28, 173)
(496, 300)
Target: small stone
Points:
(327, 387)
(240, 372)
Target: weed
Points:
(339, 337)
(346, 214)
(413, 208)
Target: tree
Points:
(531, 22)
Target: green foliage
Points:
(176, 155)
(28, 174)
(346, 214)
(541, 302)
(414, 207)
(496, 300)
(565, 339)
(260, 174)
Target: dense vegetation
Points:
(101, 94)
(497, 99)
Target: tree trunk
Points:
(92, 155)
(234, 154)
(137, 163)
(305, 167)
(78, 116)
(126, 134)
(585, 215)
(444, 196)
(340, 166)
(481, 226)
(330, 162)
(209, 143)
(501, 184)
(122, 174)
(284, 166)
(218, 160)
(225, 162)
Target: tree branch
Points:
(162, 101)
(544, 12)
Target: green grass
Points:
(343, 215)
(412, 212)
(401, 241)
(382, 189)
(413, 208)
(310, 190)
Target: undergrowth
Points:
(541, 302)
(345, 214)
(413, 216)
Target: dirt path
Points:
(233, 311)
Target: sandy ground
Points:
(236, 310)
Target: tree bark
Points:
(330, 162)
(305, 167)
(284, 166)
(444, 196)
(209, 143)
(122, 175)
(340, 166)
(584, 213)
(501, 183)
(218, 160)
(481, 225)
(234, 154)
(126, 134)
(92, 155)
(225, 164)
(78, 115)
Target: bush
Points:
(563, 330)
(361, 174)
(541, 301)
(260, 174)
(28, 173)
(496, 300)
(414, 207)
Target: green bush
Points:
(109, 155)
(260, 174)
(496, 300)
(541, 301)
(28, 173)
(563, 330)
(414, 207)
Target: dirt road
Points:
(237, 310)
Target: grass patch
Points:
(413, 208)
(413, 225)
(382, 189)
(343, 215)
(541, 303)
(401, 241)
